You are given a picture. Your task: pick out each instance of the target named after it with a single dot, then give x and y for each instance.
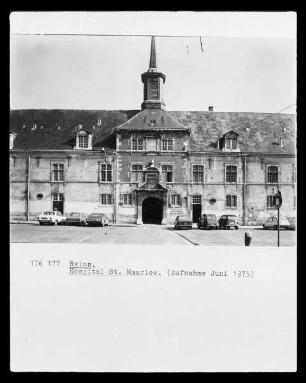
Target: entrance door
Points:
(58, 202)
(196, 208)
(152, 210)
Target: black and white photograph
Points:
(175, 129)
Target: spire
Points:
(153, 54)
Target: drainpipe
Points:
(28, 185)
(244, 191)
(115, 189)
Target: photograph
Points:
(99, 138)
(153, 191)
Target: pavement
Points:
(147, 235)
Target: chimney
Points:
(210, 108)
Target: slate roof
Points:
(55, 129)
(162, 121)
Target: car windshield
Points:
(95, 215)
(48, 212)
(74, 215)
(210, 216)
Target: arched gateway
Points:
(152, 210)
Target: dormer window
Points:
(12, 139)
(229, 142)
(83, 142)
(83, 139)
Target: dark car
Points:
(182, 222)
(208, 221)
(97, 219)
(227, 221)
(76, 218)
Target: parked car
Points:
(227, 221)
(76, 218)
(292, 223)
(99, 219)
(272, 223)
(182, 222)
(51, 218)
(208, 221)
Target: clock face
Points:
(153, 89)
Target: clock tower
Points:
(153, 81)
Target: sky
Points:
(246, 63)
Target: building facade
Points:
(151, 165)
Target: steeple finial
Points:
(153, 54)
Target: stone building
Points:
(151, 165)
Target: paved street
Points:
(146, 235)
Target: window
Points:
(273, 174)
(294, 174)
(231, 201)
(176, 200)
(83, 141)
(270, 204)
(198, 173)
(196, 199)
(231, 173)
(137, 174)
(57, 197)
(231, 143)
(105, 173)
(57, 172)
(137, 142)
(127, 199)
(166, 173)
(106, 199)
(167, 142)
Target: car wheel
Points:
(236, 227)
(40, 223)
(275, 227)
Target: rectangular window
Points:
(127, 199)
(83, 141)
(57, 172)
(231, 143)
(231, 173)
(231, 201)
(198, 173)
(137, 142)
(273, 174)
(167, 143)
(166, 173)
(196, 199)
(137, 173)
(58, 197)
(105, 199)
(176, 200)
(105, 173)
(270, 202)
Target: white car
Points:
(272, 223)
(51, 218)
